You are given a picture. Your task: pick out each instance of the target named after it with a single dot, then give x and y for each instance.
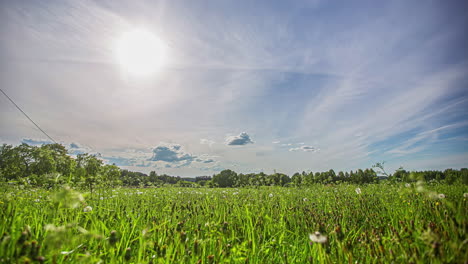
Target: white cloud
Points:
(305, 149)
(242, 139)
(386, 74)
(171, 153)
(208, 142)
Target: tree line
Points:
(50, 164)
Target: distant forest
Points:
(50, 164)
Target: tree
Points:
(226, 178)
(91, 165)
(380, 168)
(65, 164)
(111, 174)
(297, 179)
(43, 161)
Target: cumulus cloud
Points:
(305, 149)
(242, 139)
(175, 156)
(171, 153)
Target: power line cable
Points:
(11, 100)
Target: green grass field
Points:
(381, 224)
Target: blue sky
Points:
(246, 85)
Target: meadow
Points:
(342, 223)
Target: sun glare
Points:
(140, 52)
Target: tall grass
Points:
(382, 224)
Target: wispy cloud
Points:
(305, 149)
(390, 85)
(35, 142)
(208, 142)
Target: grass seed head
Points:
(113, 238)
(128, 254)
(183, 236)
(23, 237)
(40, 259)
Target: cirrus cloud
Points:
(305, 149)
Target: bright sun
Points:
(139, 52)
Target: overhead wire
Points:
(26, 115)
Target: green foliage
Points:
(226, 178)
(24, 161)
(384, 223)
(50, 165)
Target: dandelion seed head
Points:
(318, 238)
(87, 209)
(358, 190)
(441, 196)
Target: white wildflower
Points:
(305, 199)
(441, 196)
(407, 185)
(270, 195)
(87, 209)
(358, 190)
(318, 238)
(465, 195)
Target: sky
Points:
(286, 86)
